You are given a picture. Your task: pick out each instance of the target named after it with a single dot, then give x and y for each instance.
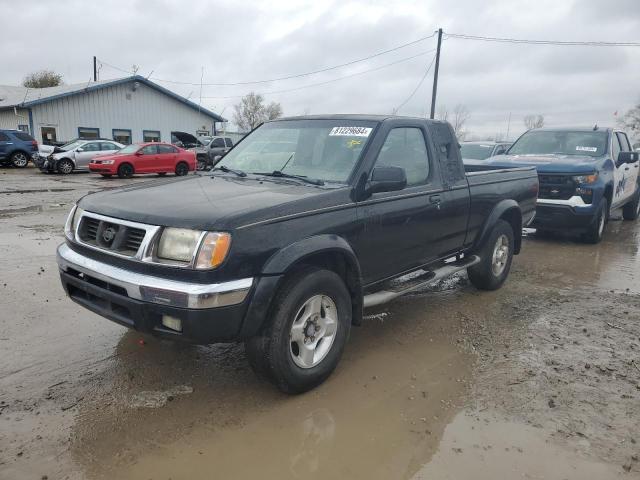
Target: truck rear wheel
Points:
(307, 330)
(496, 256)
(632, 209)
(595, 231)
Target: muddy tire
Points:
(496, 256)
(125, 170)
(306, 331)
(65, 166)
(19, 159)
(182, 169)
(596, 230)
(632, 209)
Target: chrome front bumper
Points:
(156, 289)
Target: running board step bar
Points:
(384, 296)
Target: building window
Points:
(151, 135)
(121, 135)
(23, 128)
(88, 133)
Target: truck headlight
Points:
(586, 179)
(178, 244)
(71, 226)
(183, 245)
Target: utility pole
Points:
(95, 69)
(508, 126)
(435, 76)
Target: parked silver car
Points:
(77, 155)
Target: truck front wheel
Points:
(632, 209)
(307, 330)
(596, 230)
(496, 255)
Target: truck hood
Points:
(546, 163)
(207, 202)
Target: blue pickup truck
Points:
(584, 174)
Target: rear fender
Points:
(509, 210)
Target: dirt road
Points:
(540, 379)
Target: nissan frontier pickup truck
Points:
(283, 248)
(585, 174)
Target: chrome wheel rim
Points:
(313, 331)
(66, 167)
(20, 160)
(500, 255)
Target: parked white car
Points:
(77, 155)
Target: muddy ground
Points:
(540, 379)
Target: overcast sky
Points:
(237, 41)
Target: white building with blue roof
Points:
(128, 110)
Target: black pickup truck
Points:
(284, 250)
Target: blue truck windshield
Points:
(545, 142)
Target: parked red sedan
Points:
(161, 158)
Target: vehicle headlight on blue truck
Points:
(586, 193)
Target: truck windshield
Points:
(476, 151)
(325, 150)
(544, 142)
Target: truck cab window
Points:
(406, 148)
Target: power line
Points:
(305, 74)
(463, 36)
(417, 86)
(286, 77)
(328, 81)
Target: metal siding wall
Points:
(9, 120)
(109, 108)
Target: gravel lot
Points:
(540, 379)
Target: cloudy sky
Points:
(239, 41)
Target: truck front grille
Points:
(556, 187)
(111, 235)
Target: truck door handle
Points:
(435, 199)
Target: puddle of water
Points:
(482, 447)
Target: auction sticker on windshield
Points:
(586, 149)
(350, 131)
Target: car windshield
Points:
(325, 150)
(71, 145)
(129, 149)
(476, 151)
(544, 142)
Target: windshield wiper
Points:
(280, 174)
(226, 169)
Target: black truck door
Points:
(455, 197)
(401, 228)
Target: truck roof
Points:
(365, 117)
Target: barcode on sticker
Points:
(350, 131)
(586, 149)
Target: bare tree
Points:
(533, 121)
(251, 111)
(458, 119)
(42, 79)
(630, 121)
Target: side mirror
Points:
(387, 179)
(79, 149)
(627, 157)
(138, 153)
